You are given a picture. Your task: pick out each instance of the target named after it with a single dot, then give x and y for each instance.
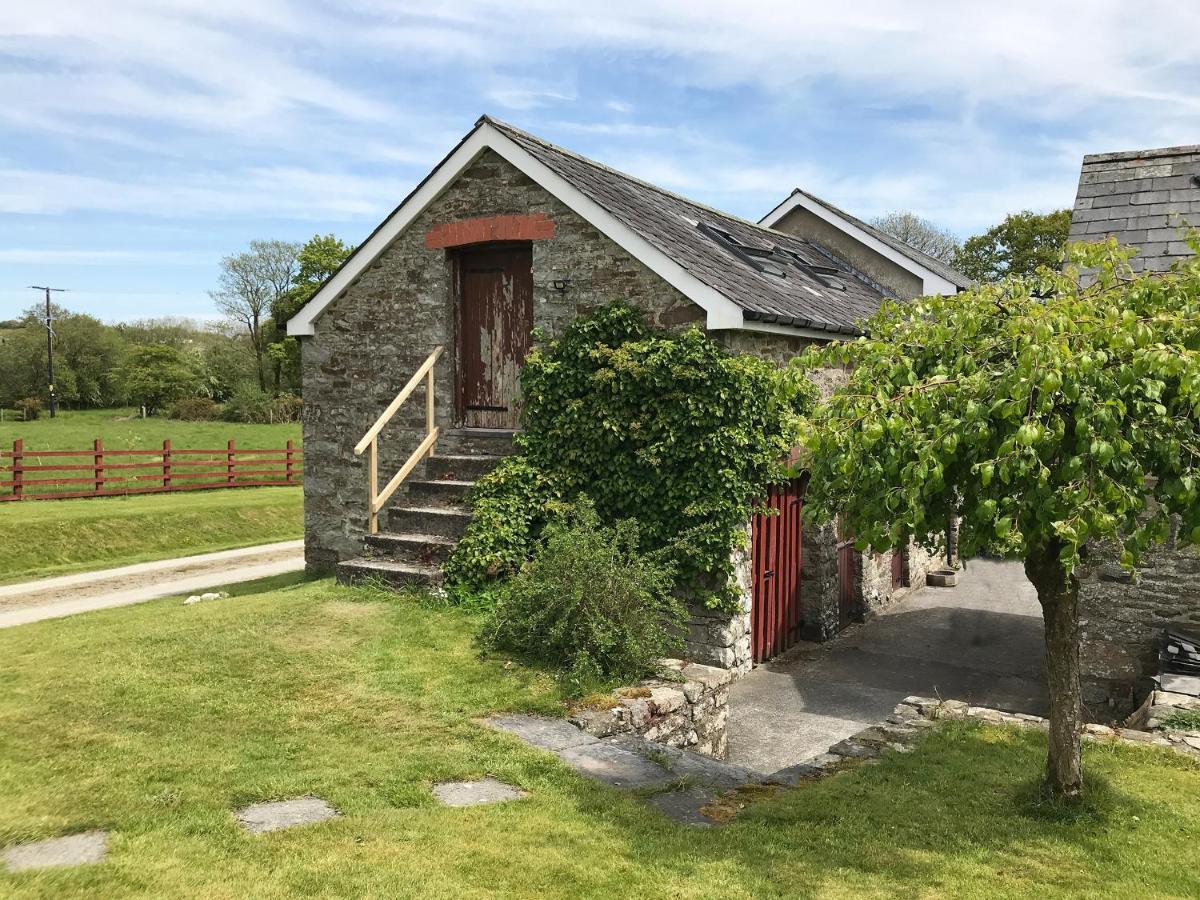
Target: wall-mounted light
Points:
(1196, 180)
(560, 285)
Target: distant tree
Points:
(319, 258)
(1044, 415)
(1017, 246)
(86, 355)
(158, 374)
(919, 233)
(250, 284)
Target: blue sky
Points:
(141, 141)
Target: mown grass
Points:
(54, 537)
(123, 429)
(156, 721)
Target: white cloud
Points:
(78, 257)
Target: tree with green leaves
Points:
(919, 233)
(319, 258)
(157, 374)
(1017, 246)
(1048, 416)
(250, 284)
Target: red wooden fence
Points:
(145, 472)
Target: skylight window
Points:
(773, 260)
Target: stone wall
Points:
(688, 708)
(874, 589)
(371, 339)
(1121, 621)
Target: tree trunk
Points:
(1059, 597)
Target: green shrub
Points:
(29, 408)
(195, 409)
(589, 602)
(286, 408)
(668, 429)
(249, 405)
(511, 505)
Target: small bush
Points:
(287, 408)
(195, 409)
(589, 602)
(249, 405)
(29, 408)
(511, 504)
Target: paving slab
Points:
(980, 641)
(549, 734)
(686, 764)
(258, 818)
(53, 853)
(614, 765)
(476, 793)
(684, 806)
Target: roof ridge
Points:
(1180, 150)
(506, 126)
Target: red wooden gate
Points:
(775, 546)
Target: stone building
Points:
(1143, 198)
(509, 236)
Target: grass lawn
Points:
(122, 428)
(54, 537)
(155, 721)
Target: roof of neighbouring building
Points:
(743, 274)
(912, 254)
(1143, 198)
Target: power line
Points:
(50, 343)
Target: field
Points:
(122, 428)
(55, 537)
(156, 721)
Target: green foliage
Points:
(1044, 414)
(87, 354)
(250, 405)
(1017, 246)
(1183, 720)
(589, 602)
(29, 408)
(195, 409)
(511, 505)
(156, 375)
(667, 429)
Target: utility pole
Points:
(49, 344)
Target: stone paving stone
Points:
(684, 806)
(261, 817)
(681, 763)
(72, 850)
(615, 765)
(474, 793)
(549, 734)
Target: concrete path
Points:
(980, 642)
(51, 598)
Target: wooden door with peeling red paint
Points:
(495, 318)
(776, 542)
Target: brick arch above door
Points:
(487, 229)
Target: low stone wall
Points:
(688, 707)
(718, 638)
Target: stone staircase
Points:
(424, 523)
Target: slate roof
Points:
(935, 265)
(1142, 197)
(672, 224)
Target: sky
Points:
(142, 140)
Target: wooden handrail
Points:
(386, 416)
(376, 498)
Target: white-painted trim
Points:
(721, 312)
(775, 328)
(931, 281)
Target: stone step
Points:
(388, 571)
(418, 549)
(477, 441)
(459, 467)
(443, 492)
(433, 520)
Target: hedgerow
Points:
(667, 429)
